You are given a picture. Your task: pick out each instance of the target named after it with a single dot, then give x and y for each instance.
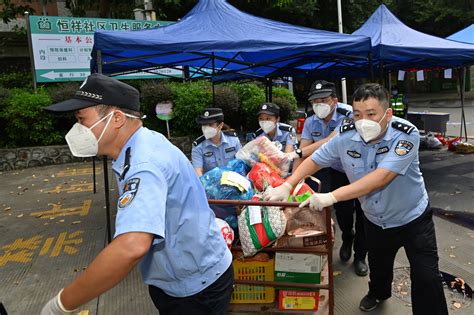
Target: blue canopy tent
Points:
(465, 35)
(215, 39)
(395, 46)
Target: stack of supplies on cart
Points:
(265, 151)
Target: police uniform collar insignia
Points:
(403, 147)
(129, 191)
(346, 127)
(318, 86)
(354, 154)
(402, 127)
(382, 150)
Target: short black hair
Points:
(372, 90)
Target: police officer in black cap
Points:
(327, 115)
(217, 145)
(282, 135)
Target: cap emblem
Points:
(319, 86)
(206, 114)
(264, 106)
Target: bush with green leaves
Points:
(251, 95)
(228, 100)
(62, 91)
(26, 122)
(188, 101)
(18, 80)
(151, 93)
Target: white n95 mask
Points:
(267, 125)
(369, 129)
(82, 141)
(321, 110)
(209, 132)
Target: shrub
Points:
(189, 99)
(151, 93)
(287, 102)
(62, 91)
(251, 95)
(228, 100)
(26, 122)
(16, 80)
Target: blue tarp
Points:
(238, 42)
(465, 35)
(400, 47)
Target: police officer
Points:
(379, 154)
(398, 103)
(328, 114)
(163, 218)
(281, 134)
(215, 147)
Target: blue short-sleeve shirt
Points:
(161, 194)
(207, 155)
(402, 200)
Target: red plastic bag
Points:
(453, 142)
(262, 175)
(441, 139)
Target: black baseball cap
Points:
(269, 109)
(100, 89)
(321, 89)
(210, 115)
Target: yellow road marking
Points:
(72, 189)
(57, 211)
(78, 171)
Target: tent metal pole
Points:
(105, 167)
(381, 73)
(270, 90)
(462, 82)
(213, 85)
(371, 67)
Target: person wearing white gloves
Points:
(163, 220)
(379, 154)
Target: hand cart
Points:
(327, 251)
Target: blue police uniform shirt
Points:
(283, 135)
(207, 155)
(160, 194)
(402, 200)
(316, 129)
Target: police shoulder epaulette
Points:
(343, 111)
(286, 127)
(403, 127)
(230, 133)
(309, 114)
(199, 140)
(258, 132)
(346, 127)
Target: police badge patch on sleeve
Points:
(403, 147)
(129, 191)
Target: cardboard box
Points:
(298, 268)
(298, 300)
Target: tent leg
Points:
(270, 90)
(93, 174)
(462, 82)
(381, 73)
(213, 85)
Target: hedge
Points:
(21, 110)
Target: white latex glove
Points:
(280, 193)
(319, 201)
(55, 307)
(290, 156)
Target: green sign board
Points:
(62, 46)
